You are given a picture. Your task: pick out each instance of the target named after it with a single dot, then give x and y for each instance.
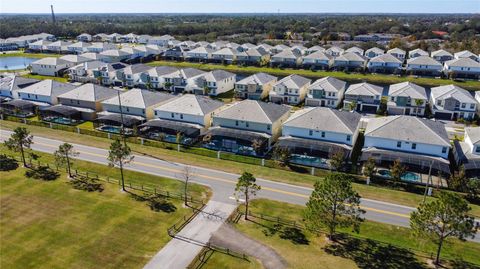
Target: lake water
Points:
(11, 63)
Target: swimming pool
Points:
(309, 160)
(110, 129)
(407, 176)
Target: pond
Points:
(15, 62)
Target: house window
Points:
(439, 102)
(172, 115)
(310, 132)
(128, 109)
(143, 111)
(444, 150)
(477, 150)
(472, 106)
(236, 123)
(463, 105)
(349, 137)
(414, 146)
(323, 134)
(399, 144)
(181, 116)
(246, 124)
(156, 113)
(268, 127)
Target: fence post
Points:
(218, 154)
(51, 125)
(78, 130)
(178, 147)
(141, 141)
(263, 162)
(313, 171)
(109, 135)
(24, 121)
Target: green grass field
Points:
(315, 252)
(291, 177)
(48, 224)
(40, 77)
(30, 55)
(350, 77)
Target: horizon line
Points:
(249, 13)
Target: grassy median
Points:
(291, 177)
(48, 224)
(305, 250)
(350, 77)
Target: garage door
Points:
(369, 109)
(443, 116)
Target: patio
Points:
(236, 141)
(18, 108)
(166, 130)
(62, 115)
(113, 123)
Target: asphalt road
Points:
(223, 183)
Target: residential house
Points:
(373, 52)
(356, 50)
(424, 65)
(200, 54)
(406, 98)
(181, 80)
(78, 47)
(212, 83)
(325, 92)
(255, 87)
(49, 66)
(92, 56)
(248, 127)
(59, 46)
(253, 56)
(86, 100)
(286, 58)
(73, 60)
(462, 68)
(100, 37)
(109, 74)
(363, 97)
(452, 102)
(143, 39)
(85, 72)
(115, 55)
(84, 37)
(417, 143)
(290, 90)
(466, 54)
(175, 53)
(157, 76)
(44, 93)
(334, 51)
(10, 85)
(416, 53)
(135, 75)
(467, 152)
(385, 63)
(441, 56)
(40, 45)
(314, 49)
(312, 142)
(128, 38)
(99, 47)
(279, 48)
(350, 61)
(317, 60)
(133, 52)
(161, 40)
(113, 38)
(398, 53)
(224, 55)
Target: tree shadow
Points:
(44, 173)
(156, 202)
(372, 255)
(295, 235)
(459, 264)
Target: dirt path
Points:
(229, 237)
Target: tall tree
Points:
(333, 204)
(397, 170)
(19, 141)
(119, 155)
(337, 160)
(443, 218)
(247, 187)
(63, 155)
(369, 167)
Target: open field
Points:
(304, 250)
(48, 224)
(291, 177)
(350, 77)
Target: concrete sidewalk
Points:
(179, 253)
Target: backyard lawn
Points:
(40, 77)
(291, 177)
(302, 249)
(351, 77)
(48, 224)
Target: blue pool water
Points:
(407, 176)
(110, 129)
(15, 62)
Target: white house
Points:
(161, 40)
(84, 37)
(115, 55)
(45, 92)
(10, 85)
(286, 57)
(452, 102)
(255, 87)
(385, 63)
(306, 134)
(462, 68)
(318, 59)
(78, 47)
(59, 46)
(406, 98)
(418, 143)
(99, 47)
(363, 97)
(466, 54)
(350, 61)
(199, 54)
(182, 80)
(39, 45)
(290, 90)
(373, 52)
(212, 83)
(157, 75)
(334, 51)
(253, 56)
(398, 53)
(327, 91)
(224, 55)
(417, 53)
(467, 152)
(49, 66)
(441, 56)
(85, 72)
(424, 65)
(356, 50)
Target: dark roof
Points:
(185, 128)
(18, 103)
(128, 121)
(62, 110)
(237, 134)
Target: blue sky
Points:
(241, 6)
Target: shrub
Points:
(42, 172)
(7, 163)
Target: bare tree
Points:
(187, 174)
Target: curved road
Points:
(223, 183)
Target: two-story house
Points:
(363, 97)
(59, 46)
(49, 66)
(373, 52)
(462, 68)
(398, 53)
(200, 54)
(441, 56)
(109, 73)
(334, 51)
(84, 37)
(452, 102)
(10, 85)
(78, 47)
(406, 98)
(157, 76)
(255, 87)
(187, 115)
(286, 58)
(99, 47)
(423, 65)
(317, 60)
(212, 83)
(312, 142)
(115, 55)
(416, 53)
(467, 152)
(385, 63)
(253, 56)
(136, 75)
(417, 143)
(290, 90)
(179, 81)
(225, 55)
(248, 127)
(466, 54)
(85, 72)
(350, 61)
(327, 91)
(44, 93)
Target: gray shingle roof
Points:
(14, 83)
(90, 92)
(191, 104)
(318, 55)
(162, 70)
(287, 54)
(136, 68)
(396, 51)
(254, 111)
(423, 60)
(48, 87)
(140, 98)
(473, 133)
(408, 128)
(351, 57)
(417, 51)
(330, 84)
(217, 75)
(385, 58)
(407, 89)
(440, 53)
(364, 89)
(293, 81)
(325, 119)
(452, 91)
(463, 62)
(258, 78)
